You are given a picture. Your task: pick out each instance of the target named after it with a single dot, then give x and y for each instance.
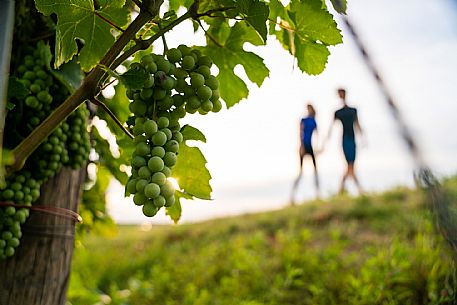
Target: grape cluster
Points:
(78, 142)
(67, 145)
(23, 190)
(177, 84)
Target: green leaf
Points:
(191, 173)
(256, 14)
(192, 133)
(175, 210)
(78, 19)
(340, 6)
(313, 23)
(229, 55)
(16, 89)
(312, 57)
(69, 74)
(134, 78)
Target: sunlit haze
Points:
(252, 148)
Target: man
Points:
(349, 119)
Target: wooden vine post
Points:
(38, 273)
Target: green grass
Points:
(374, 249)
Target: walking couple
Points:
(349, 120)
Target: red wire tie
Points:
(62, 212)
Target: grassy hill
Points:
(374, 249)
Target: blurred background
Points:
(252, 148)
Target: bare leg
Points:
(343, 180)
(297, 180)
(351, 173)
(316, 176)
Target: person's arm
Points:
(359, 130)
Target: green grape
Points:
(204, 93)
(212, 82)
(139, 198)
(169, 201)
(166, 171)
(146, 59)
(142, 149)
(165, 103)
(178, 100)
(207, 106)
(180, 73)
(149, 209)
(167, 189)
(131, 186)
(159, 138)
(169, 159)
(138, 161)
(168, 83)
(159, 93)
(204, 70)
(215, 96)
(188, 62)
(144, 172)
(163, 122)
(185, 50)
(177, 136)
(205, 61)
(172, 145)
(146, 93)
(159, 201)
(152, 190)
(158, 178)
(138, 107)
(158, 151)
(163, 65)
(193, 102)
(217, 106)
(150, 127)
(156, 164)
(167, 132)
(140, 184)
(174, 55)
(196, 80)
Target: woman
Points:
(307, 127)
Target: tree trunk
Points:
(38, 273)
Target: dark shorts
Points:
(308, 149)
(349, 149)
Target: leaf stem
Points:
(105, 108)
(209, 35)
(108, 21)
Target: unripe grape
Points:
(140, 199)
(174, 55)
(167, 132)
(144, 172)
(158, 178)
(204, 93)
(159, 93)
(169, 159)
(180, 73)
(146, 59)
(131, 186)
(207, 106)
(172, 146)
(204, 70)
(205, 61)
(149, 209)
(215, 96)
(138, 107)
(151, 67)
(159, 201)
(152, 190)
(212, 82)
(168, 83)
(166, 171)
(188, 62)
(148, 83)
(158, 151)
(177, 136)
(163, 65)
(138, 161)
(169, 201)
(140, 185)
(159, 138)
(142, 149)
(146, 94)
(155, 164)
(150, 127)
(217, 106)
(197, 80)
(193, 102)
(185, 50)
(167, 189)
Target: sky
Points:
(252, 148)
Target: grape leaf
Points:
(175, 210)
(78, 19)
(192, 133)
(16, 89)
(191, 173)
(310, 29)
(256, 14)
(134, 78)
(229, 54)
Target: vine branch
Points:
(105, 108)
